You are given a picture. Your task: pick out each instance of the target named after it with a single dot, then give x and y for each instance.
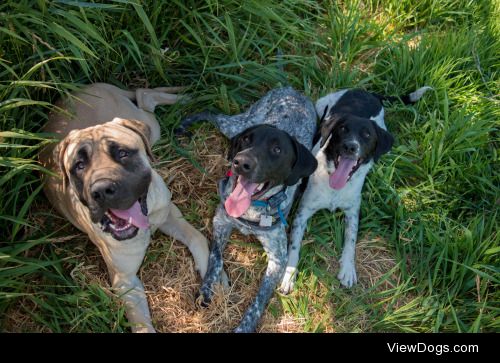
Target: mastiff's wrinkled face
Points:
(108, 168)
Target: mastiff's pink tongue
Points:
(133, 215)
(240, 199)
(338, 178)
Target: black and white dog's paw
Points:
(288, 280)
(347, 274)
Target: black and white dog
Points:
(353, 137)
(269, 156)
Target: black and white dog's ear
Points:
(384, 142)
(305, 164)
(329, 122)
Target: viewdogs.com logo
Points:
(437, 349)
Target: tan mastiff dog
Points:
(107, 188)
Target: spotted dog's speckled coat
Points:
(319, 194)
(287, 110)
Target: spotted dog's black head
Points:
(352, 141)
(108, 167)
(263, 157)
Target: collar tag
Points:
(265, 220)
(277, 199)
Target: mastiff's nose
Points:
(104, 190)
(243, 164)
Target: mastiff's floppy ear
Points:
(60, 150)
(141, 129)
(328, 124)
(384, 142)
(305, 163)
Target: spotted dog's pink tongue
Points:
(240, 199)
(338, 178)
(133, 215)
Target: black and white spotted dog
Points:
(353, 137)
(269, 153)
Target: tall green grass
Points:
(433, 200)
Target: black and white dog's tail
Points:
(407, 99)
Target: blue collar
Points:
(274, 202)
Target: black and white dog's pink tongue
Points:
(133, 215)
(338, 178)
(240, 199)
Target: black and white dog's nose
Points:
(350, 147)
(243, 164)
(103, 190)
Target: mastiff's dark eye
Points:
(122, 153)
(276, 149)
(80, 165)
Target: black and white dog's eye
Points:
(276, 149)
(246, 138)
(343, 128)
(80, 165)
(123, 153)
(366, 134)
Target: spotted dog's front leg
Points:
(347, 274)
(221, 231)
(276, 253)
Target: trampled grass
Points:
(428, 250)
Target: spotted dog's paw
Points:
(242, 328)
(347, 274)
(288, 280)
(204, 297)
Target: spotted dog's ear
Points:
(141, 129)
(235, 142)
(384, 142)
(328, 124)
(233, 147)
(305, 164)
